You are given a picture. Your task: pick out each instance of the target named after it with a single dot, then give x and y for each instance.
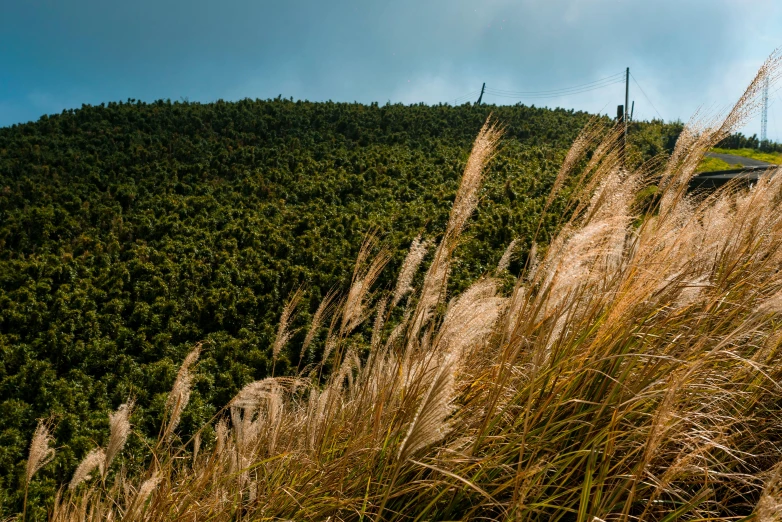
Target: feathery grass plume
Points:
(275, 412)
(221, 436)
(586, 138)
(377, 328)
(196, 444)
(700, 136)
(283, 334)
(349, 363)
(507, 256)
(532, 262)
(365, 274)
(517, 303)
(250, 417)
(433, 290)
(95, 459)
(595, 249)
(252, 395)
(146, 489)
(470, 319)
(180, 392)
(430, 422)
(322, 311)
(328, 348)
(40, 454)
(483, 150)
(416, 254)
(750, 102)
(119, 428)
(606, 158)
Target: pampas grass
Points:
(320, 313)
(39, 455)
(432, 292)
(180, 393)
(283, 331)
(95, 459)
(139, 505)
(507, 256)
(365, 274)
(631, 374)
(413, 260)
(119, 426)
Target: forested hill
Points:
(131, 231)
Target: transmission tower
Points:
(764, 113)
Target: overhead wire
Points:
(554, 94)
(647, 98)
(595, 85)
(468, 95)
(464, 97)
(609, 80)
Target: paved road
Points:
(750, 171)
(740, 160)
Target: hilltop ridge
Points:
(131, 231)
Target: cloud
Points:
(684, 53)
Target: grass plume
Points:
(39, 455)
(283, 328)
(632, 374)
(95, 459)
(119, 427)
(413, 260)
(180, 393)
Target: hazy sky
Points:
(684, 53)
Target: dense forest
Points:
(739, 141)
(131, 231)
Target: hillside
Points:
(132, 231)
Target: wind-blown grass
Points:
(631, 374)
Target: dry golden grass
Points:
(633, 373)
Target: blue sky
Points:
(685, 54)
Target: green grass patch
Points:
(712, 164)
(771, 157)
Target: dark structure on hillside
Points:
(748, 175)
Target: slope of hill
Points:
(131, 231)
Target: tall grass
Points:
(633, 373)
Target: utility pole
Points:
(621, 113)
(481, 96)
(632, 110)
(764, 113)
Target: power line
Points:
(647, 98)
(575, 87)
(464, 97)
(609, 80)
(553, 95)
(557, 95)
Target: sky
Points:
(683, 54)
